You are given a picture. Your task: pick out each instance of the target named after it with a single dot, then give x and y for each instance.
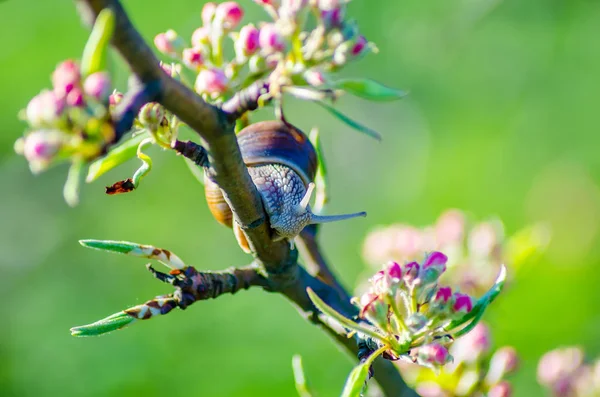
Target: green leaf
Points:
(346, 322)
(299, 378)
(108, 324)
(71, 188)
(95, 51)
(369, 89)
(144, 251)
(117, 156)
(354, 124)
(479, 308)
(356, 380)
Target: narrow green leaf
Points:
(108, 324)
(299, 378)
(71, 188)
(479, 308)
(117, 156)
(369, 89)
(95, 51)
(144, 251)
(346, 322)
(356, 380)
(354, 124)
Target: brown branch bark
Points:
(278, 262)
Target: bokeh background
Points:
(502, 120)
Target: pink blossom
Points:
(248, 41)
(44, 108)
(193, 58)
(359, 46)
(394, 270)
(472, 346)
(201, 36)
(75, 98)
(411, 272)
(502, 389)
(314, 77)
(332, 18)
(270, 39)
(65, 77)
(462, 303)
(229, 14)
(163, 44)
(211, 81)
(443, 295)
(433, 353)
(437, 260)
(115, 98)
(41, 146)
(98, 86)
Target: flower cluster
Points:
(418, 317)
(475, 371)
(280, 49)
(476, 251)
(70, 121)
(566, 373)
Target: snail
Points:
(282, 163)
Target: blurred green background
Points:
(502, 119)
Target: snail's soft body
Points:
(282, 164)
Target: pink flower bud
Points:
(43, 109)
(270, 39)
(443, 295)
(168, 43)
(208, 13)
(559, 364)
(472, 346)
(505, 360)
(333, 18)
(359, 46)
(434, 354)
(97, 85)
(193, 58)
(502, 389)
(75, 98)
(378, 282)
(41, 146)
(66, 76)
(201, 36)
(211, 81)
(411, 272)
(248, 43)
(115, 98)
(229, 14)
(394, 270)
(437, 260)
(314, 77)
(373, 309)
(462, 303)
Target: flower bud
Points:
(40, 147)
(503, 362)
(411, 272)
(75, 98)
(442, 296)
(229, 14)
(151, 115)
(168, 43)
(394, 271)
(314, 77)
(115, 98)
(374, 309)
(558, 364)
(502, 389)
(433, 267)
(65, 77)
(462, 303)
(378, 283)
(434, 354)
(328, 5)
(332, 18)
(248, 40)
(208, 13)
(97, 85)
(359, 46)
(193, 58)
(44, 109)
(211, 81)
(270, 39)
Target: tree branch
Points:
(275, 262)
